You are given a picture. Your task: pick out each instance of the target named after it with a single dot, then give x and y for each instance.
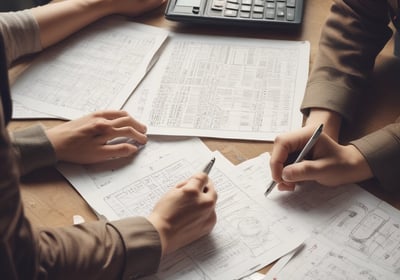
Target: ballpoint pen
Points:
(301, 156)
(207, 168)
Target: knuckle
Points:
(190, 191)
(279, 139)
(100, 124)
(98, 114)
(126, 150)
(209, 204)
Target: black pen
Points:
(208, 167)
(301, 156)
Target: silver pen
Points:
(209, 165)
(301, 156)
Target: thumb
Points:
(297, 172)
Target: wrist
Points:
(330, 119)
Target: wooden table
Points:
(49, 199)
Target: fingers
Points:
(284, 146)
(117, 151)
(119, 119)
(199, 183)
(302, 171)
(108, 125)
(284, 186)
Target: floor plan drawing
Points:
(369, 231)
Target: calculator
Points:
(266, 13)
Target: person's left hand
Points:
(84, 140)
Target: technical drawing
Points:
(335, 266)
(369, 232)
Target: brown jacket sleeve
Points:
(122, 249)
(382, 151)
(32, 149)
(99, 250)
(21, 36)
(354, 34)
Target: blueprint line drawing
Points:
(130, 200)
(368, 231)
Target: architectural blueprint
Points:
(223, 87)
(355, 235)
(368, 229)
(246, 237)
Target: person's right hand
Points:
(329, 164)
(185, 213)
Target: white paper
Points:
(361, 241)
(95, 69)
(307, 207)
(224, 87)
(355, 234)
(246, 237)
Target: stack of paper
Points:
(209, 86)
(97, 68)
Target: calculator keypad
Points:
(280, 10)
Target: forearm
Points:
(60, 19)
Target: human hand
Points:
(84, 140)
(131, 7)
(331, 164)
(185, 213)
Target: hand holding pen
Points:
(306, 149)
(186, 212)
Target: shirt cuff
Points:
(382, 152)
(328, 96)
(33, 149)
